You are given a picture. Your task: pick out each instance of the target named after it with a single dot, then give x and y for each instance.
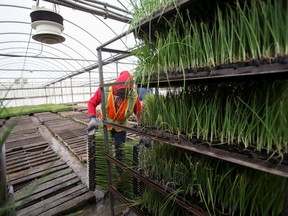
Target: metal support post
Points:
(90, 87)
(62, 92)
(46, 96)
(15, 97)
(72, 93)
(117, 69)
(103, 103)
(54, 93)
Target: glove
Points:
(92, 124)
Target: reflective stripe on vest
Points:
(125, 110)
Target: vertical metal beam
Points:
(103, 102)
(3, 185)
(46, 96)
(83, 89)
(72, 93)
(90, 84)
(15, 97)
(62, 92)
(117, 69)
(54, 93)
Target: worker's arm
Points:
(93, 103)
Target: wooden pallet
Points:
(73, 134)
(43, 184)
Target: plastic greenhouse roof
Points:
(26, 63)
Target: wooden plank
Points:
(30, 146)
(42, 180)
(50, 188)
(51, 202)
(73, 143)
(25, 181)
(23, 151)
(80, 148)
(24, 140)
(78, 138)
(30, 127)
(84, 140)
(42, 170)
(15, 136)
(23, 156)
(44, 183)
(37, 169)
(82, 151)
(71, 204)
(31, 164)
(77, 144)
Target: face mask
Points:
(122, 93)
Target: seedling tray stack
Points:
(223, 66)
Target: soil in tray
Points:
(238, 148)
(255, 63)
(236, 65)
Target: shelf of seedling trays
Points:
(253, 53)
(245, 158)
(248, 71)
(222, 59)
(160, 19)
(234, 60)
(218, 69)
(248, 159)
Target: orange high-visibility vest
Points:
(125, 110)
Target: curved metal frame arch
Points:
(21, 33)
(43, 62)
(40, 59)
(30, 63)
(51, 47)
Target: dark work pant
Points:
(119, 139)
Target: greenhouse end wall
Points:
(22, 97)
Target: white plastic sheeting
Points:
(27, 66)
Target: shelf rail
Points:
(243, 160)
(180, 201)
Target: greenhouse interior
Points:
(79, 80)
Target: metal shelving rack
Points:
(109, 159)
(269, 71)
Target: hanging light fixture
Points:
(48, 25)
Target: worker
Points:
(121, 102)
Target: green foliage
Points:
(219, 187)
(24, 110)
(243, 32)
(250, 114)
(101, 163)
(101, 177)
(143, 9)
